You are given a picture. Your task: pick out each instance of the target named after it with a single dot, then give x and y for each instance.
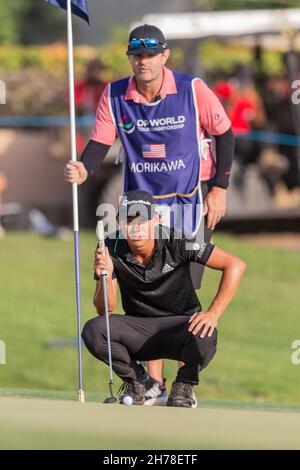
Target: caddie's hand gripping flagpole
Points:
(75, 196)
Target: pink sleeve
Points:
(212, 115)
(104, 130)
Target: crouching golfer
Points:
(163, 317)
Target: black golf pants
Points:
(142, 339)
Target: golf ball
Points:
(127, 400)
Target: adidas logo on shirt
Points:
(167, 268)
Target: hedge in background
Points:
(36, 76)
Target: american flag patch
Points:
(154, 151)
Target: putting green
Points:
(52, 424)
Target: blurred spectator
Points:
(89, 89)
(246, 112)
(40, 223)
(279, 111)
(87, 95)
(271, 109)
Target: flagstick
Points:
(75, 195)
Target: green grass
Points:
(37, 305)
(53, 424)
(99, 397)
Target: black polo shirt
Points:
(164, 286)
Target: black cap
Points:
(136, 203)
(147, 31)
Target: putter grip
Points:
(100, 236)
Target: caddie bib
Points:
(161, 145)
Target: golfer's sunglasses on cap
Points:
(149, 43)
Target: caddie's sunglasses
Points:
(149, 43)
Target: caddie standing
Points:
(176, 138)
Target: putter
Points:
(100, 236)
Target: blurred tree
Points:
(240, 4)
(10, 13)
(30, 22)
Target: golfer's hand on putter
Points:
(103, 261)
(75, 172)
(215, 206)
(200, 319)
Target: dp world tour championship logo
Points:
(126, 124)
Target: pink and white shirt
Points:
(212, 117)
